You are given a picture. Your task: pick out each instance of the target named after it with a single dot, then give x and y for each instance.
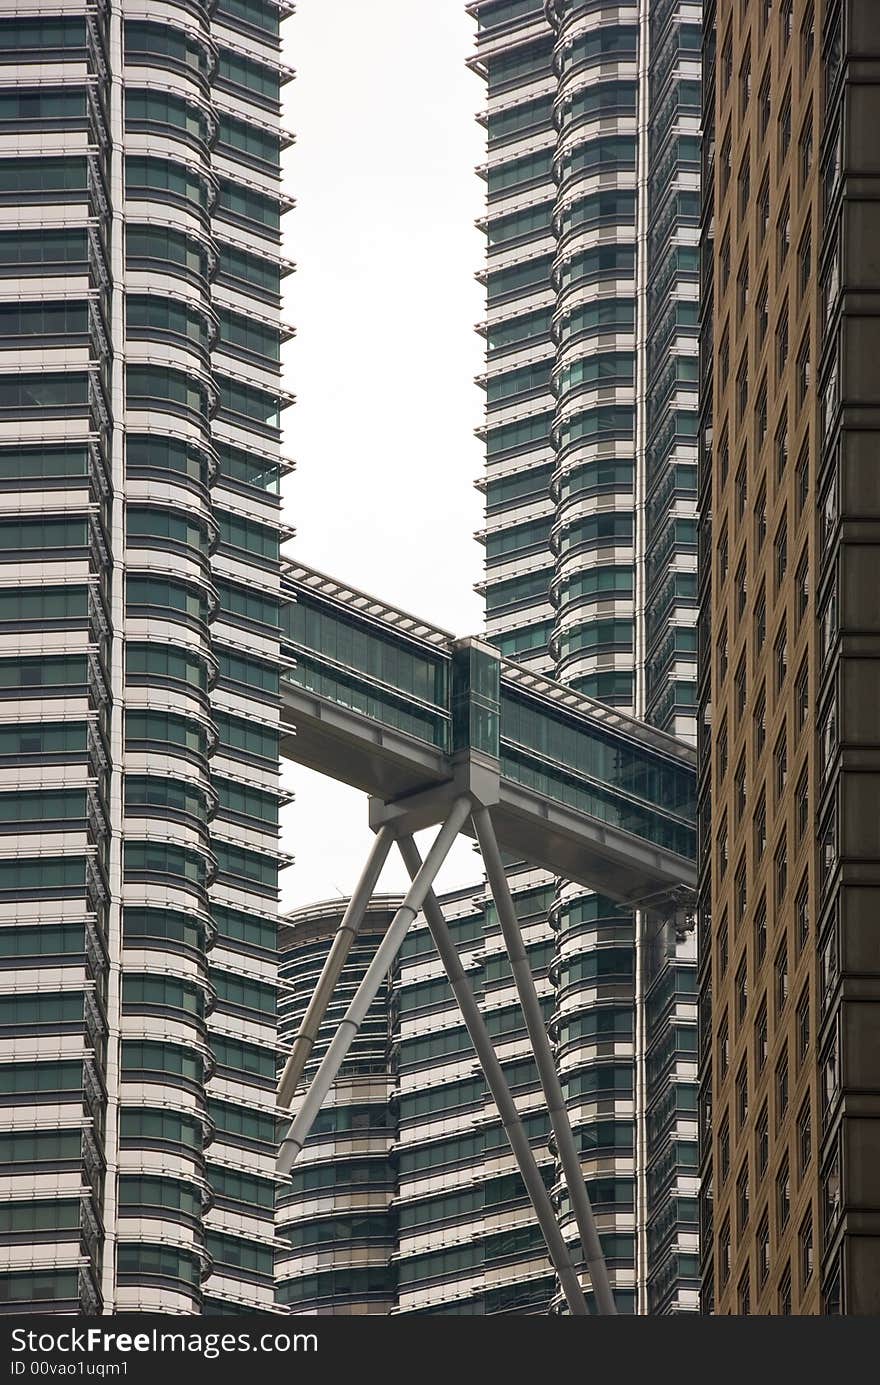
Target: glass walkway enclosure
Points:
(379, 700)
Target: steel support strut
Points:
(333, 966)
(369, 986)
(519, 1143)
(528, 995)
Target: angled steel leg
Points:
(519, 1142)
(333, 965)
(367, 990)
(525, 985)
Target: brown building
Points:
(790, 658)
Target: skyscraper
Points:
(407, 1198)
(789, 640)
(337, 1223)
(591, 384)
(140, 652)
(592, 225)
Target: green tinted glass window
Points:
(259, 539)
(599, 98)
(531, 59)
(240, 601)
(165, 524)
(164, 1057)
(47, 940)
(143, 661)
(162, 858)
(243, 993)
(533, 534)
(238, 1121)
(42, 34)
(43, 175)
(248, 204)
(246, 928)
(259, 272)
(528, 327)
(248, 865)
(255, 77)
(56, 1009)
(144, 1259)
(244, 138)
(231, 1186)
(167, 924)
(147, 384)
(143, 1124)
(161, 991)
(247, 802)
(165, 108)
(21, 393)
(41, 1146)
(242, 1057)
(144, 39)
(249, 469)
(249, 333)
(174, 596)
(525, 380)
(342, 1228)
(43, 319)
(142, 791)
(509, 436)
(65, 671)
(518, 278)
(246, 736)
(41, 1077)
(259, 406)
(146, 314)
(262, 14)
(43, 738)
(529, 587)
(45, 461)
(60, 105)
(135, 1191)
(58, 805)
(241, 1254)
(390, 661)
(526, 115)
(163, 244)
(51, 534)
(167, 455)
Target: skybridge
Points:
(385, 703)
(443, 732)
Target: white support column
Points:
(641, 673)
(333, 966)
(528, 995)
(113, 1070)
(367, 990)
(559, 1252)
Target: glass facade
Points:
(458, 695)
(468, 1240)
(336, 1218)
(513, 55)
(140, 574)
(593, 204)
(591, 223)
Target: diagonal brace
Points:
(559, 1252)
(333, 966)
(528, 995)
(369, 986)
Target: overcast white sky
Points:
(384, 302)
